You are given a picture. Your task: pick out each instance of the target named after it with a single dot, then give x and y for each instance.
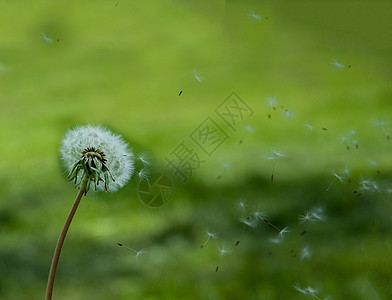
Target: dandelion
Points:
(336, 177)
(91, 155)
(197, 76)
(46, 39)
(209, 236)
(138, 253)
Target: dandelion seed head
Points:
(118, 158)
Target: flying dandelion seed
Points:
(309, 128)
(307, 218)
(241, 205)
(247, 129)
(254, 16)
(382, 125)
(209, 236)
(374, 164)
(138, 253)
(337, 65)
(288, 113)
(275, 155)
(318, 213)
(306, 253)
(336, 177)
(249, 221)
(144, 157)
(46, 39)
(272, 102)
(143, 174)
(272, 225)
(368, 185)
(222, 251)
(284, 232)
(197, 76)
(225, 167)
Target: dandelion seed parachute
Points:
(114, 151)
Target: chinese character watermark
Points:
(208, 136)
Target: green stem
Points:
(60, 242)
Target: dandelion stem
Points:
(60, 242)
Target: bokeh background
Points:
(317, 75)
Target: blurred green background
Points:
(122, 64)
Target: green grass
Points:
(123, 66)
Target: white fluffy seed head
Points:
(119, 157)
